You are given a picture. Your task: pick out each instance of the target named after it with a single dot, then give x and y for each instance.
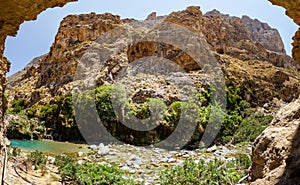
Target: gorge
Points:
(232, 54)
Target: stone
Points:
(103, 150)
(80, 154)
(212, 149)
(275, 153)
(93, 147)
(126, 168)
(171, 160)
(51, 159)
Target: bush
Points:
(17, 105)
(104, 104)
(88, 173)
(14, 152)
(63, 160)
(38, 159)
(243, 162)
(211, 173)
(251, 127)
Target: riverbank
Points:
(143, 164)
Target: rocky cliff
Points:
(229, 37)
(292, 10)
(14, 13)
(264, 34)
(15, 17)
(276, 151)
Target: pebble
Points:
(93, 147)
(212, 149)
(103, 150)
(186, 155)
(51, 160)
(80, 162)
(80, 154)
(126, 168)
(171, 160)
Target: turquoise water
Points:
(53, 147)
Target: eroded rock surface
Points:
(10, 13)
(228, 37)
(275, 152)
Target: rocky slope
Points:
(292, 10)
(16, 17)
(276, 150)
(229, 37)
(261, 74)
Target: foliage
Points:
(233, 97)
(13, 152)
(37, 158)
(23, 127)
(89, 173)
(17, 105)
(251, 127)
(206, 173)
(240, 121)
(103, 103)
(243, 161)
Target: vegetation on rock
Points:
(241, 123)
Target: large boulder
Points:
(276, 152)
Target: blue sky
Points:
(35, 37)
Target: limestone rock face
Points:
(75, 35)
(228, 37)
(13, 13)
(296, 46)
(293, 11)
(264, 34)
(275, 152)
(244, 38)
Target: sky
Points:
(34, 38)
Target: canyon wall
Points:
(14, 12)
(276, 155)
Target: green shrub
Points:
(88, 173)
(63, 160)
(37, 158)
(251, 127)
(233, 97)
(211, 173)
(243, 162)
(230, 125)
(31, 112)
(14, 152)
(17, 105)
(103, 103)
